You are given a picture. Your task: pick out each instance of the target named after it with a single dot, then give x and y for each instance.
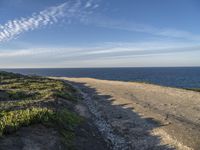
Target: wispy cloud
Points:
(80, 9)
(15, 27)
(105, 22)
(68, 10)
(104, 50)
(16, 53)
(105, 53)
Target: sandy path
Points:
(146, 116)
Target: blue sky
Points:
(99, 33)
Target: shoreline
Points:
(180, 78)
(118, 115)
(137, 82)
(173, 112)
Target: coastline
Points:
(173, 112)
(116, 115)
(180, 77)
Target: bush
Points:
(12, 120)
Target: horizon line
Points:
(103, 67)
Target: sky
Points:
(99, 33)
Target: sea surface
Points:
(183, 77)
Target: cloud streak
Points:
(68, 10)
(80, 9)
(106, 53)
(15, 27)
(109, 50)
(105, 22)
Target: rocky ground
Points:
(142, 116)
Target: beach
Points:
(140, 115)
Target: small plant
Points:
(12, 120)
(20, 87)
(27, 100)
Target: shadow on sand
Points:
(135, 130)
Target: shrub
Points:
(12, 120)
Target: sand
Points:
(142, 116)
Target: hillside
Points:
(41, 113)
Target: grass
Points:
(13, 120)
(193, 89)
(27, 100)
(27, 88)
(18, 90)
(64, 121)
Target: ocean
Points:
(182, 77)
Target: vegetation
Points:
(193, 89)
(27, 100)
(12, 120)
(21, 87)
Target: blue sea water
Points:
(183, 77)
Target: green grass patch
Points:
(64, 121)
(12, 120)
(27, 100)
(19, 87)
(194, 89)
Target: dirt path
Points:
(142, 116)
